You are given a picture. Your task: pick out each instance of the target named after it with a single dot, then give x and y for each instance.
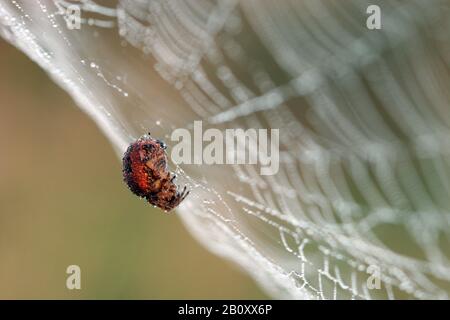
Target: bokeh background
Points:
(62, 202)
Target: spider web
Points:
(364, 123)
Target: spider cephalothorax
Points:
(146, 174)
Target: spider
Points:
(147, 176)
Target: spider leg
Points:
(177, 199)
(162, 144)
(179, 194)
(183, 193)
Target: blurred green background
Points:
(62, 202)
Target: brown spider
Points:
(146, 174)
